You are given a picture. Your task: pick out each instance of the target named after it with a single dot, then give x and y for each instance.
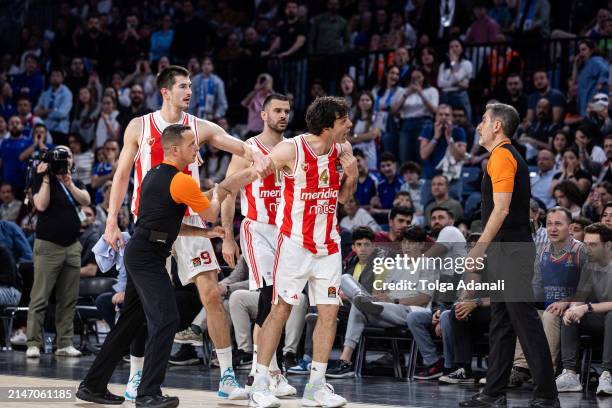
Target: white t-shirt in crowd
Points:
(362, 218)
(414, 107)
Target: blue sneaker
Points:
(302, 368)
(229, 387)
(131, 391)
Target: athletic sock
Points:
(225, 359)
(261, 375)
(317, 372)
(254, 365)
(274, 364)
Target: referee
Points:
(166, 193)
(510, 252)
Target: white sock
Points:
(274, 364)
(254, 365)
(261, 375)
(136, 364)
(225, 359)
(317, 372)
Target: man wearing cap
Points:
(597, 112)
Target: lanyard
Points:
(390, 92)
(68, 195)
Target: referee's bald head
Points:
(173, 135)
(507, 115)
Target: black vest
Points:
(518, 217)
(157, 210)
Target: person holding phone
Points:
(254, 103)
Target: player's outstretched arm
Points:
(214, 135)
(112, 233)
(351, 175)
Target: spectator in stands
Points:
(399, 219)
(102, 208)
(416, 106)
(484, 29)
(11, 154)
(540, 183)
(539, 235)
(514, 95)
(443, 148)
(386, 307)
(328, 31)
(4, 133)
(567, 195)
(10, 207)
(390, 184)
(161, 40)
(107, 303)
(383, 99)
(13, 239)
(7, 106)
(105, 170)
(439, 192)
(540, 133)
(215, 166)
(57, 257)
(606, 215)
(137, 107)
(367, 183)
(208, 100)
(28, 84)
(85, 116)
(90, 233)
(96, 45)
(454, 78)
(543, 90)
(76, 78)
(558, 269)
(572, 171)
(590, 73)
(429, 65)
(597, 199)
(54, 107)
(460, 119)
(586, 316)
(577, 227)
(603, 15)
(604, 171)
(561, 141)
(533, 19)
(290, 36)
(24, 111)
(402, 62)
(153, 96)
(107, 127)
(365, 132)
(441, 20)
(587, 137)
(83, 159)
(357, 217)
(348, 91)
(10, 285)
(597, 113)
(253, 102)
(413, 184)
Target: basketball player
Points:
(319, 171)
(258, 203)
(194, 253)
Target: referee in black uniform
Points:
(510, 252)
(166, 194)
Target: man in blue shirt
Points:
(540, 183)
(13, 239)
(13, 167)
(54, 107)
(388, 187)
(208, 100)
(367, 182)
(543, 90)
(442, 142)
(30, 82)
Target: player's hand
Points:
(230, 251)
(112, 235)
(349, 164)
(214, 232)
(118, 298)
(263, 164)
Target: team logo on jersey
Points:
(305, 166)
(331, 292)
(151, 141)
(324, 177)
(196, 262)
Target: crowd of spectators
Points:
(79, 81)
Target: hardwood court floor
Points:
(195, 386)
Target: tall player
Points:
(259, 201)
(319, 171)
(194, 253)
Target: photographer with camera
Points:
(57, 251)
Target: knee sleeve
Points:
(264, 305)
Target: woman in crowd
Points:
(365, 132)
(416, 105)
(383, 100)
(107, 127)
(568, 195)
(572, 172)
(429, 65)
(348, 90)
(454, 78)
(590, 154)
(560, 142)
(85, 115)
(82, 158)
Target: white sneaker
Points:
(605, 383)
(321, 394)
(568, 382)
(482, 381)
(19, 338)
(69, 351)
(131, 391)
(261, 397)
(229, 387)
(33, 352)
(280, 387)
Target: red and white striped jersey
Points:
(150, 152)
(259, 199)
(307, 211)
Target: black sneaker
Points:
(518, 376)
(289, 360)
(186, 355)
(485, 401)
(343, 369)
(241, 359)
(432, 372)
(459, 376)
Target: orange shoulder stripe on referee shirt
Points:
(502, 169)
(184, 190)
